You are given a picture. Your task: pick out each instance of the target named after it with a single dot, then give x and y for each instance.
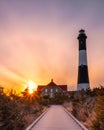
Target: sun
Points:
(31, 86)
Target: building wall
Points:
(51, 91)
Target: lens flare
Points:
(31, 86)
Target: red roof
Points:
(40, 87)
(63, 87)
(51, 83)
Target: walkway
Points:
(56, 119)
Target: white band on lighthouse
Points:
(83, 86)
(82, 57)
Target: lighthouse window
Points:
(81, 42)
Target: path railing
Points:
(37, 120)
(69, 114)
(78, 122)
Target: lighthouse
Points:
(83, 78)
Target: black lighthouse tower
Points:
(83, 78)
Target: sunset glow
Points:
(38, 41)
(32, 87)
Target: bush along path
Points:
(17, 112)
(88, 107)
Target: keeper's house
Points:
(51, 89)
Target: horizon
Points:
(38, 41)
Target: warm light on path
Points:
(56, 119)
(32, 86)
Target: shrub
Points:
(98, 124)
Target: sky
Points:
(38, 41)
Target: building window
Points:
(46, 90)
(56, 89)
(51, 90)
(51, 95)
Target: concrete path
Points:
(56, 119)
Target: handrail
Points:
(34, 123)
(78, 122)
